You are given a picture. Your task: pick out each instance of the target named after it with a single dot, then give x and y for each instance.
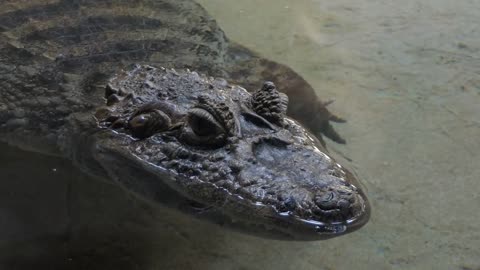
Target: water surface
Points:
(406, 76)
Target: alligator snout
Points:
(301, 184)
(339, 203)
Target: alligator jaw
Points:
(218, 204)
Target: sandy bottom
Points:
(406, 75)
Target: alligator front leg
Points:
(250, 70)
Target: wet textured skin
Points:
(263, 174)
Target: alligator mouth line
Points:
(272, 223)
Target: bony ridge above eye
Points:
(146, 124)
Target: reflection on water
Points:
(404, 74)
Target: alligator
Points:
(85, 80)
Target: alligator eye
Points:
(203, 123)
(202, 128)
(146, 124)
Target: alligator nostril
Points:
(326, 201)
(327, 197)
(343, 204)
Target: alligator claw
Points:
(330, 133)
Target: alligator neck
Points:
(55, 57)
(36, 99)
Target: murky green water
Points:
(406, 76)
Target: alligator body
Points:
(177, 138)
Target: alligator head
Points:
(223, 154)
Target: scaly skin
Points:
(200, 144)
(260, 171)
